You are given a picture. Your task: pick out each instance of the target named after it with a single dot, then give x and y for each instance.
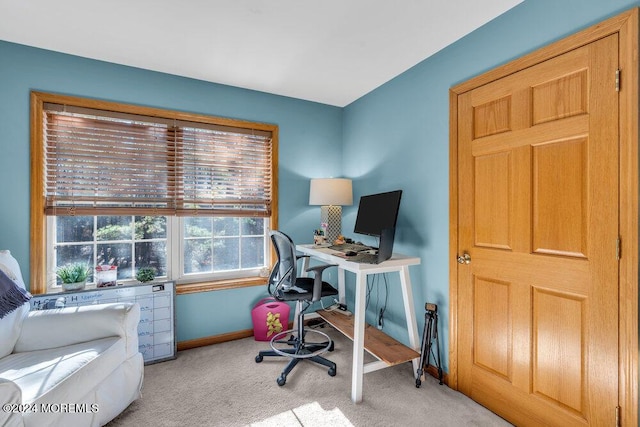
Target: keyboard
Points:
(345, 247)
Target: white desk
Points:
(398, 263)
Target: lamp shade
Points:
(331, 191)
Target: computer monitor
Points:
(377, 212)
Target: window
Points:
(191, 196)
(127, 242)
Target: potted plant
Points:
(73, 276)
(146, 274)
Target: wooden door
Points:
(537, 313)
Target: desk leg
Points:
(358, 338)
(410, 313)
(341, 289)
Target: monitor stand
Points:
(386, 244)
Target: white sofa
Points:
(76, 366)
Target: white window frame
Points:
(175, 245)
(177, 262)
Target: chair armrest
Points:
(317, 279)
(10, 395)
(320, 268)
(44, 329)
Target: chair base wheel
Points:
(332, 372)
(281, 380)
(259, 358)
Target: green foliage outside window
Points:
(211, 244)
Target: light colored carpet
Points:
(222, 385)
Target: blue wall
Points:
(398, 137)
(310, 146)
(394, 137)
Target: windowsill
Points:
(93, 287)
(185, 288)
(218, 285)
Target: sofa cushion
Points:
(11, 324)
(63, 374)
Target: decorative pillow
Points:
(6, 270)
(11, 324)
(12, 296)
(11, 267)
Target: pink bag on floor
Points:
(270, 317)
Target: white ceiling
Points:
(328, 51)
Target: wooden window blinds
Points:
(100, 162)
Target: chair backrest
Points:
(284, 273)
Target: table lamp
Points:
(331, 194)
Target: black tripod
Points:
(428, 335)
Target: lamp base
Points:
(332, 216)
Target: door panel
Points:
(492, 337)
(492, 117)
(559, 332)
(561, 97)
(538, 213)
(492, 213)
(560, 172)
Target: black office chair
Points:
(285, 285)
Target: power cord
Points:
(370, 282)
(381, 319)
(386, 300)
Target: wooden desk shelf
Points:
(376, 342)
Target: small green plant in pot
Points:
(73, 276)
(146, 274)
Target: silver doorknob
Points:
(464, 259)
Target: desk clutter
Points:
(359, 252)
